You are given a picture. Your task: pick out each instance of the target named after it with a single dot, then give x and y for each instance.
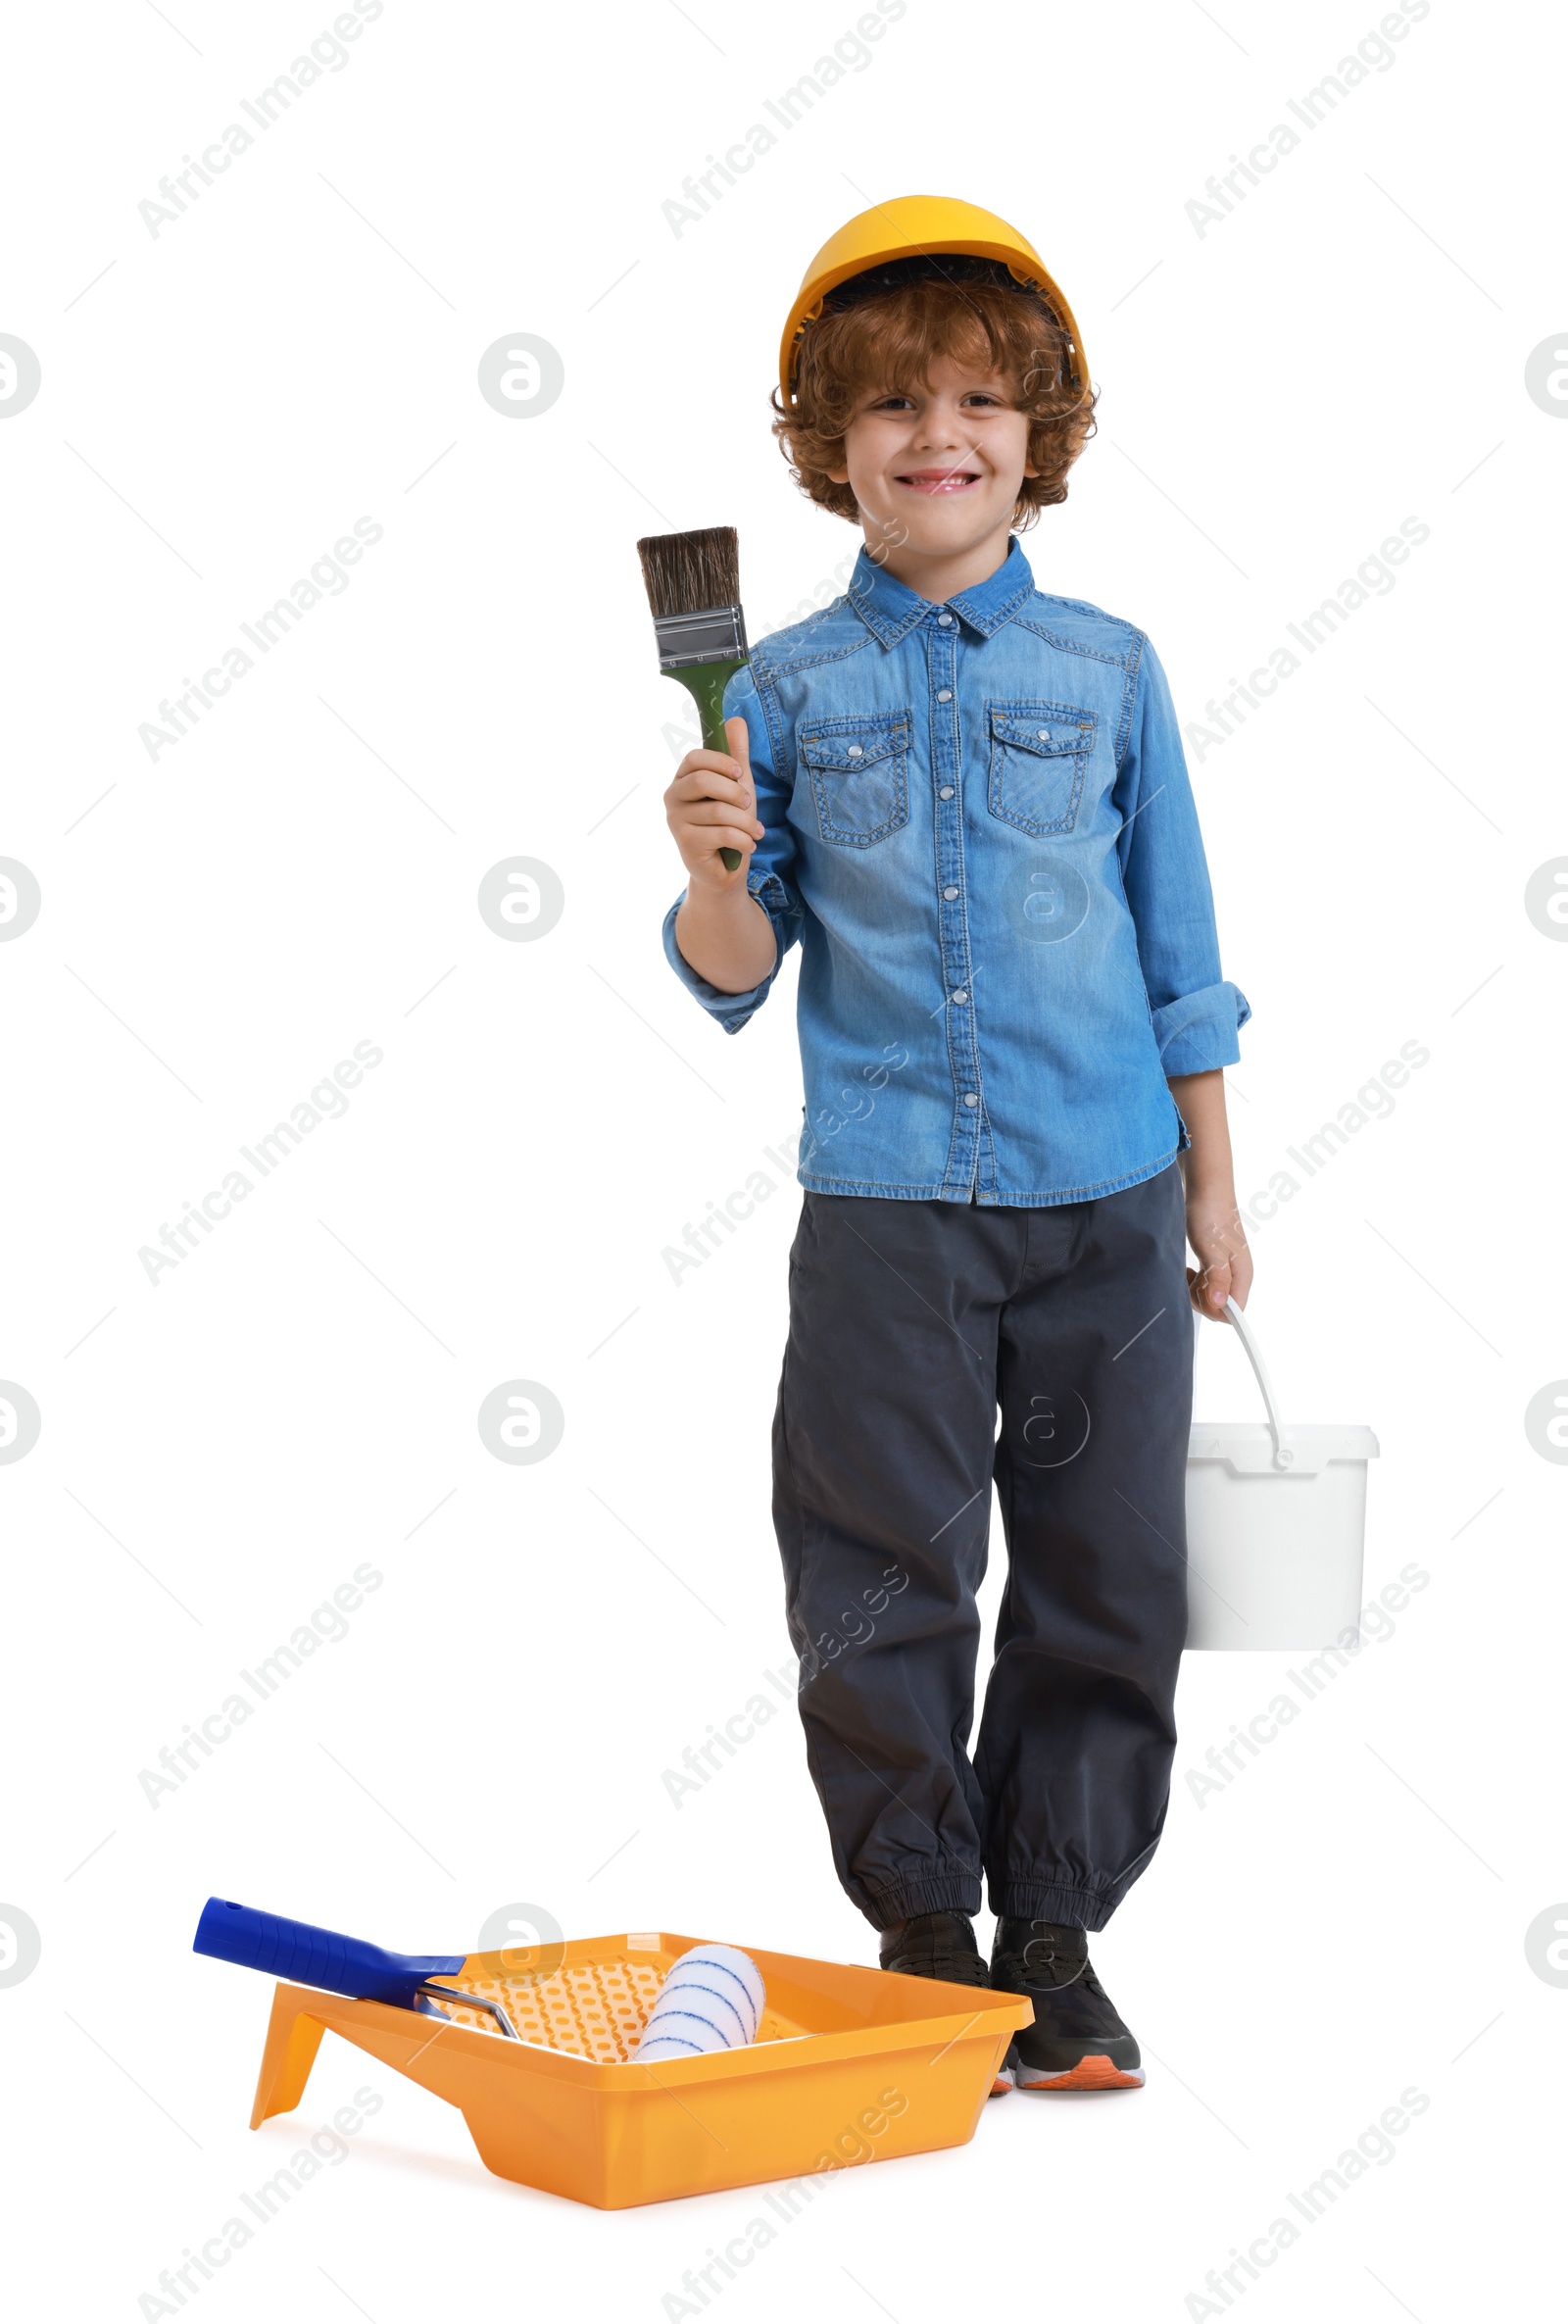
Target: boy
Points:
(968, 801)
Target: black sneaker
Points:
(934, 1945)
(938, 1945)
(1077, 2041)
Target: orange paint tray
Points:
(850, 2065)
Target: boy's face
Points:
(935, 470)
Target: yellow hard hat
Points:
(916, 226)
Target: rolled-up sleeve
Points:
(769, 877)
(1197, 1012)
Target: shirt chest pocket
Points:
(860, 775)
(1039, 755)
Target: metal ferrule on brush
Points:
(716, 634)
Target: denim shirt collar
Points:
(889, 610)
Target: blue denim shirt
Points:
(980, 829)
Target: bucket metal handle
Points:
(1284, 1453)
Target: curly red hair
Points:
(888, 343)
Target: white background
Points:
(219, 1451)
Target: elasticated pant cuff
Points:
(950, 1892)
(1043, 1900)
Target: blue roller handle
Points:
(308, 1956)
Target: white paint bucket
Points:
(1276, 1525)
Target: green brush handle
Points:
(704, 682)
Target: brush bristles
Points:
(686, 573)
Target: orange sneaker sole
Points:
(1094, 2072)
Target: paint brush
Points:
(694, 588)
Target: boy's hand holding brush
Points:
(711, 807)
(693, 581)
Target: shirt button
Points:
(943, 620)
(946, 694)
(1044, 734)
(945, 791)
(961, 994)
(950, 893)
(856, 750)
(969, 1098)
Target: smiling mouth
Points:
(932, 480)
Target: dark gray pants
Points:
(910, 1322)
